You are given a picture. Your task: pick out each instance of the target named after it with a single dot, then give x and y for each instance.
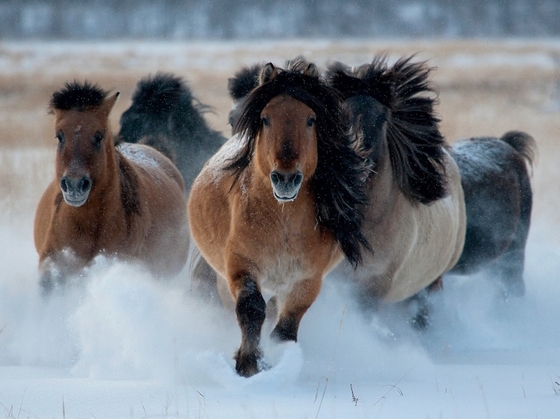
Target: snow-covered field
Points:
(122, 345)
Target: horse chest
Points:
(284, 247)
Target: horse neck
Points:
(384, 193)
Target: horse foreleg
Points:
(56, 269)
(298, 301)
(250, 308)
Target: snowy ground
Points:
(125, 346)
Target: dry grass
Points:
(485, 88)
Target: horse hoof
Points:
(249, 364)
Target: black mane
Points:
(339, 193)
(416, 146)
(165, 115)
(160, 93)
(244, 81)
(78, 96)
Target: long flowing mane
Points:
(414, 141)
(77, 96)
(339, 193)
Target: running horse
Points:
(126, 202)
(499, 200)
(415, 218)
(280, 204)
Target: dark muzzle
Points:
(286, 185)
(75, 190)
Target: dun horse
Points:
(280, 203)
(415, 218)
(126, 202)
(165, 115)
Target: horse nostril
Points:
(276, 178)
(298, 178)
(84, 184)
(64, 184)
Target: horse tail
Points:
(523, 143)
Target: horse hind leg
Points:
(423, 306)
(293, 308)
(509, 267)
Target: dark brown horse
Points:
(280, 203)
(126, 202)
(165, 115)
(415, 218)
(498, 196)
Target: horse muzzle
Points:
(285, 186)
(75, 190)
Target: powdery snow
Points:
(121, 344)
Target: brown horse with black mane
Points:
(280, 203)
(126, 202)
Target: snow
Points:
(117, 343)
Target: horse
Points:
(498, 197)
(165, 115)
(415, 219)
(126, 202)
(280, 204)
(239, 86)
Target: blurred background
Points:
(496, 66)
(243, 19)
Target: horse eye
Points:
(265, 121)
(98, 137)
(60, 139)
(310, 121)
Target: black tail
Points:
(523, 143)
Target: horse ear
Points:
(312, 71)
(268, 73)
(108, 104)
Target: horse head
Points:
(286, 147)
(293, 131)
(153, 102)
(280, 121)
(395, 104)
(85, 143)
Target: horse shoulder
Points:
(209, 212)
